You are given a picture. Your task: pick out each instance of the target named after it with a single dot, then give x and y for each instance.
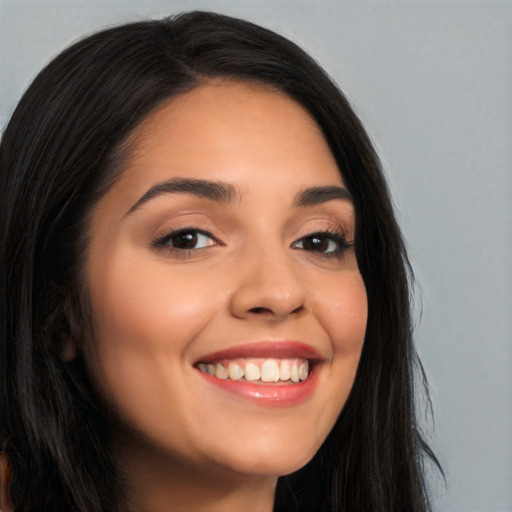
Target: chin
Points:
(268, 458)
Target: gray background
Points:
(432, 82)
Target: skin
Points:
(187, 444)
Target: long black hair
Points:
(63, 148)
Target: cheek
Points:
(143, 319)
(343, 308)
(146, 305)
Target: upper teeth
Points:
(266, 370)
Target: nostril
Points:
(269, 311)
(260, 310)
(266, 300)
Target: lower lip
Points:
(269, 394)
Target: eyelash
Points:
(331, 237)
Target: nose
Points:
(268, 287)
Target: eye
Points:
(324, 243)
(188, 239)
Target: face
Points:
(228, 308)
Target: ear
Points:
(68, 349)
(63, 326)
(71, 328)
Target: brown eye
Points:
(318, 244)
(325, 244)
(186, 240)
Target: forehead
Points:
(223, 123)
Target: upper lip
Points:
(265, 349)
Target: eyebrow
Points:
(214, 190)
(318, 195)
(224, 192)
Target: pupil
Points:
(317, 244)
(185, 240)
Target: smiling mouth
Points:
(259, 370)
(278, 373)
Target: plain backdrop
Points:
(432, 82)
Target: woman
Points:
(205, 299)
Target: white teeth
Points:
(304, 371)
(284, 371)
(235, 372)
(252, 372)
(270, 371)
(294, 373)
(220, 372)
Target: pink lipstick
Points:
(271, 373)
